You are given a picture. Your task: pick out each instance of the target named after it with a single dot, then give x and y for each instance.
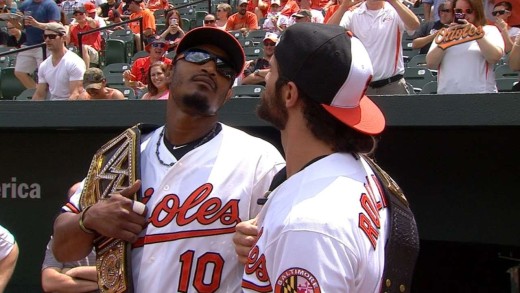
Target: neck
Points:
(375, 5)
(58, 53)
(296, 135)
(154, 58)
(182, 128)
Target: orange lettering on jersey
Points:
(368, 206)
(370, 231)
(207, 211)
(256, 264)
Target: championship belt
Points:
(457, 34)
(114, 167)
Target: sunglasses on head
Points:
(501, 12)
(467, 10)
(50, 36)
(209, 21)
(200, 57)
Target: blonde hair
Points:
(226, 7)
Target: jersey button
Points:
(166, 187)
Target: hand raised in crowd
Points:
(501, 24)
(117, 216)
(245, 237)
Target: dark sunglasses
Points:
(50, 36)
(199, 56)
(446, 10)
(270, 44)
(209, 21)
(501, 12)
(468, 10)
(159, 45)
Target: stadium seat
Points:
(246, 42)
(504, 71)
(115, 52)
(237, 34)
(25, 95)
(186, 24)
(171, 55)
(10, 86)
(4, 62)
(257, 36)
(137, 55)
(418, 60)
(199, 17)
(429, 88)
(253, 53)
(129, 93)
(418, 77)
(116, 68)
(247, 91)
(408, 51)
(505, 85)
(114, 80)
(128, 38)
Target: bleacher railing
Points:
(189, 4)
(27, 48)
(81, 34)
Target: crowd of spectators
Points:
(380, 25)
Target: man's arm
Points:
(410, 20)
(112, 217)
(514, 56)
(418, 43)
(41, 92)
(53, 280)
(427, 11)
(76, 89)
(7, 266)
(84, 272)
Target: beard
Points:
(197, 104)
(272, 110)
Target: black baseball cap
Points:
(218, 38)
(332, 68)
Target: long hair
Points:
(226, 7)
(172, 13)
(152, 89)
(478, 7)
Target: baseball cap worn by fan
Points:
(271, 36)
(218, 38)
(93, 78)
(302, 13)
(325, 48)
(277, 2)
(89, 7)
(56, 27)
(240, 2)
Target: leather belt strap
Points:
(402, 246)
(383, 82)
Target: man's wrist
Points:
(82, 221)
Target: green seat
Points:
(114, 80)
(186, 24)
(128, 38)
(256, 35)
(10, 86)
(429, 88)
(129, 93)
(138, 55)
(418, 60)
(115, 51)
(247, 91)
(26, 95)
(116, 68)
(5, 61)
(505, 84)
(199, 17)
(418, 77)
(253, 53)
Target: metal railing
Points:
(27, 48)
(81, 34)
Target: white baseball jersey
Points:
(322, 230)
(6, 242)
(193, 208)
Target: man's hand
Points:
(117, 216)
(245, 237)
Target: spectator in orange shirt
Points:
(91, 43)
(243, 19)
(137, 10)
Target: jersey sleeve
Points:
(6, 242)
(322, 263)
(346, 20)
(72, 206)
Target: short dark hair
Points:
(333, 132)
(506, 4)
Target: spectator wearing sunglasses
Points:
(257, 69)
(61, 74)
(424, 36)
(502, 13)
(91, 43)
(13, 38)
(199, 178)
(466, 65)
(210, 20)
(137, 76)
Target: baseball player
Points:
(199, 178)
(324, 228)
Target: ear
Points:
(290, 95)
(228, 95)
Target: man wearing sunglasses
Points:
(61, 74)
(257, 69)
(423, 37)
(199, 178)
(502, 13)
(91, 43)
